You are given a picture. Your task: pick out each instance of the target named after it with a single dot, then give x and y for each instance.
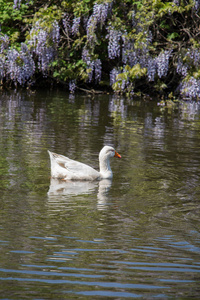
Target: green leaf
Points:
(173, 36)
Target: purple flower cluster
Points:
(55, 33)
(91, 27)
(194, 56)
(132, 55)
(93, 66)
(182, 68)
(190, 60)
(100, 11)
(99, 16)
(17, 4)
(176, 2)
(162, 62)
(4, 42)
(75, 25)
(66, 23)
(114, 37)
(191, 88)
(97, 70)
(133, 19)
(44, 44)
(72, 86)
(90, 64)
(186, 66)
(2, 66)
(129, 55)
(158, 65)
(197, 4)
(20, 65)
(151, 68)
(122, 84)
(113, 76)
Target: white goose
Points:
(65, 168)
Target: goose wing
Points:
(71, 169)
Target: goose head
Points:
(104, 161)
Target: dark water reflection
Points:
(137, 236)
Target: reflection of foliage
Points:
(4, 180)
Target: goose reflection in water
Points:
(70, 188)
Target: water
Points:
(135, 237)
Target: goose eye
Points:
(109, 150)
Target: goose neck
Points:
(105, 169)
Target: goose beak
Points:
(117, 155)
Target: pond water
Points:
(135, 237)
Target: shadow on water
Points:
(136, 236)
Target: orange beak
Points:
(117, 154)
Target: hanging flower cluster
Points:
(44, 44)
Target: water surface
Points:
(135, 237)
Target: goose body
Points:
(65, 168)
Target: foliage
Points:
(137, 46)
